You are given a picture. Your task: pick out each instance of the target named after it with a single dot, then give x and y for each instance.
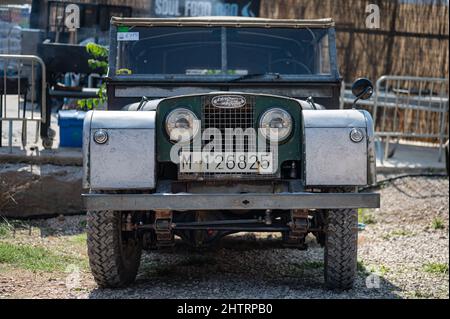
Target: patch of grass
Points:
(5, 229)
(365, 217)
(384, 270)
(34, 258)
(386, 236)
(402, 232)
(420, 294)
(437, 223)
(20, 224)
(365, 269)
(436, 268)
(7, 226)
(79, 239)
(398, 233)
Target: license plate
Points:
(248, 162)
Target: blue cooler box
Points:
(70, 128)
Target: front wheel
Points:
(341, 240)
(114, 255)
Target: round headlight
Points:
(275, 125)
(181, 125)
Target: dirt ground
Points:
(403, 253)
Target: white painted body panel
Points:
(127, 159)
(331, 157)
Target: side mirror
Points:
(362, 88)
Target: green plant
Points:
(361, 267)
(402, 232)
(365, 217)
(79, 239)
(398, 233)
(100, 56)
(436, 268)
(384, 270)
(420, 294)
(99, 63)
(5, 229)
(437, 223)
(10, 225)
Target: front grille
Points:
(223, 119)
(234, 118)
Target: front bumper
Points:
(185, 201)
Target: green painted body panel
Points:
(291, 149)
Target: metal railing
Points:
(411, 107)
(23, 76)
(406, 107)
(343, 98)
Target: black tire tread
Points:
(105, 253)
(341, 248)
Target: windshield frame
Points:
(333, 76)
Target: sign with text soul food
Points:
(198, 8)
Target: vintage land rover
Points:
(223, 125)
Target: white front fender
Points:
(331, 157)
(127, 159)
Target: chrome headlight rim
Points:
(195, 127)
(290, 128)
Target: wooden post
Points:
(391, 39)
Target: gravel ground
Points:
(397, 249)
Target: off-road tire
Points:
(114, 262)
(341, 240)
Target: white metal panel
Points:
(333, 159)
(126, 161)
(334, 118)
(123, 119)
